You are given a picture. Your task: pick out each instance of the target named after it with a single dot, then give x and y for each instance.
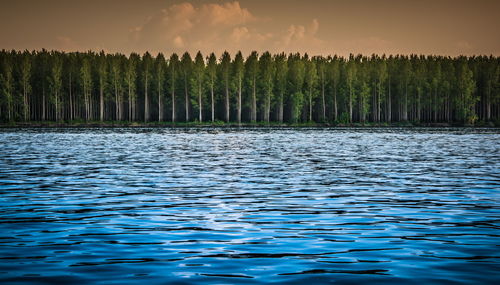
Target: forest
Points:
(37, 86)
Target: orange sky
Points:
(445, 27)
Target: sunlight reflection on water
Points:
(249, 206)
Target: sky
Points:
(318, 27)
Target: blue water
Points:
(214, 206)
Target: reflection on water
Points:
(249, 206)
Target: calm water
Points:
(249, 206)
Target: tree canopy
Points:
(58, 86)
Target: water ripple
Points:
(249, 206)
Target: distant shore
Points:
(220, 124)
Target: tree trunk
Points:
(350, 103)
(129, 101)
(239, 100)
(268, 106)
(379, 96)
(323, 99)
(335, 110)
(25, 102)
(389, 107)
(280, 110)
(186, 97)
(405, 106)
(9, 107)
(488, 104)
(212, 100)
(117, 106)
(43, 106)
(146, 102)
(254, 103)
(85, 102)
(434, 105)
(101, 102)
(310, 104)
(57, 106)
(134, 108)
(200, 117)
(173, 98)
(373, 94)
(120, 105)
(159, 100)
(360, 108)
(70, 100)
(227, 101)
(418, 107)
(89, 102)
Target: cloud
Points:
(239, 34)
(218, 27)
(298, 38)
(184, 26)
(226, 14)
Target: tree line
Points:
(56, 86)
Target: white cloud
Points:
(226, 14)
(184, 26)
(298, 38)
(218, 27)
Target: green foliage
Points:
(311, 78)
(225, 63)
(296, 73)
(211, 69)
(364, 96)
(466, 99)
(7, 87)
(343, 118)
(351, 69)
(238, 66)
(297, 101)
(159, 72)
(281, 72)
(251, 73)
(198, 79)
(102, 71)
(130, 76)
(173, 69)
(267, 72)
(43, 85)
(252, 65)
(56, 79)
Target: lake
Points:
(225, 206)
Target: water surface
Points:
(249, 206)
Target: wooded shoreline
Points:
(220, 124)
(43, 86)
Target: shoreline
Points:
(218, 124)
